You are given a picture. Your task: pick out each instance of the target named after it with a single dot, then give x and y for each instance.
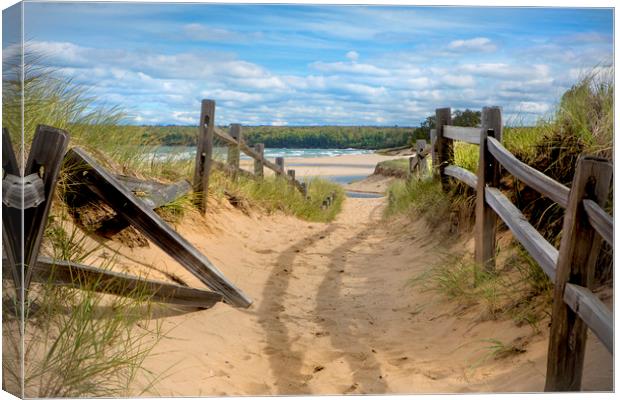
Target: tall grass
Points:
(276, 194)
(515, 291)
(76, 342)
(582, 123)
(71, 342)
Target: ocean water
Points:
(189, 152)
(167, 153)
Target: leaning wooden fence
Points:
(27, 196)
(571, 268)
(235, 143)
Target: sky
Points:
(318, 65)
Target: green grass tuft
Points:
(276, 194)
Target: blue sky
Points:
(309, 65)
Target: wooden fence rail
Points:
(571, 268)
(235, 143)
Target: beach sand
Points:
(334, 312)
(359, 165)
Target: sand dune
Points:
(333, 313)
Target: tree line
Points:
(339, 137)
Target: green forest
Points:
(360, 137)
(310, 137)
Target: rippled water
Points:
(189, 152)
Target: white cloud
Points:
(349, 67)
(385, 90)
(202, 32)
(532, 107)
(353, 55)
(481, 44)
(459, 80)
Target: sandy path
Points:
(334, 314)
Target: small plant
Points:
(277, 194)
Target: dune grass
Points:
(517, 290)
(276, 194)
(74, 343)
(582, 123)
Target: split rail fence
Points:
(585, 225)
(235, 143)
(28, 193)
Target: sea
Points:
(189, 152)
(169, 153)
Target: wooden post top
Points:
(235, 131)
(207, 108)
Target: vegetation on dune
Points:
(583, 123)
(76, 343)
(276, 194)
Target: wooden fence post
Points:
(304, 190)
(445, 152)
(291, 175)
(434, 154)
(488, 174)
(579, 250)
(234, 151)
(421, 153)
(280, 163)
(203, 154)
(259, 148)
(413, 163)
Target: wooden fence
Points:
(585, 225)
(235, 143)
(27, 196)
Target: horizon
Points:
(310, 65)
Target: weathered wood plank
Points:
(420, 147)
(45, 158)
(155, 194)
(465, 176)
(462, 133)
(152, 194)
(445, 146)
(260, 157)
(541, 251)
(234, 150)
(9, 160)
(532, 177)
(67, 273)
(593, 312)
(230, 170)
(204, 153)
(600, 220)
(280, 164)
(259, 148)
(250, 152)
(110, 190)
(12, 228)
(579, 249)
(488, 174)
(229, 139)
(413, 163)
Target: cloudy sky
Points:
(309, 65)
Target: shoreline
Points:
(362, 165)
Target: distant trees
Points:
(360, 137)
(424, 130)
(466, 118)
(459, 118)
